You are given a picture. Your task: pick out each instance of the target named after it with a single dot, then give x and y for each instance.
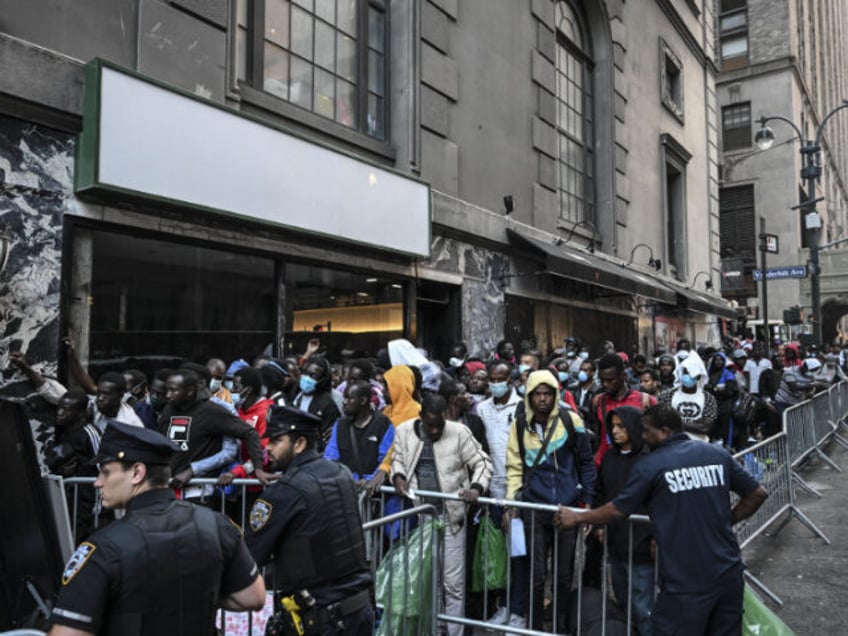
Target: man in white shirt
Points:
(497, 413)
(754, 367)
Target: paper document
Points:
(517, 544)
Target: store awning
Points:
(695, 300)
(587, 268)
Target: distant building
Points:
(787, 58)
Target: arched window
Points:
(574, 116)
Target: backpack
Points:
(745, 409)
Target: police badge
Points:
(259, 514)
(77, 560)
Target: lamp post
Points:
(810, 173)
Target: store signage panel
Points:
(162, 144)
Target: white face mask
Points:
(455, 362)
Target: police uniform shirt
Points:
(94, 576)
(686, 485)
(271, 518)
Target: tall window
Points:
(736, 126)
(738, 234)
(574, 116)
(325, 56)
(675, 159)
(733, 34)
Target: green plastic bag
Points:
(404, 587)
(490, 558)
(759, 620)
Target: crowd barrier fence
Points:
(811, 425)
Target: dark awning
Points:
(695, 300)
(587, 268)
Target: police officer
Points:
(165, 566)
(309, 522)
(686, 485)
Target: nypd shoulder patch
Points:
(77, 561)
(259, 514)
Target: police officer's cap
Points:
(125, 443)
(286, 419)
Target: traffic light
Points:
(792, 316)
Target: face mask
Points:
(523, 367)
(238, 398)
(498, 389)
(307, 384)
(214, 385)
(688, 381)
(127, 397)
(584, 355)
(582, 377)
(569, 354)
(455, 362)
(563, 376)
(228, 384)
(521, 389)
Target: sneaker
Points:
(516, 621)
(501, 617)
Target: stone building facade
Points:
(529, 159)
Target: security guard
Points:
(686, 485)
(308, 521)
(165, 566)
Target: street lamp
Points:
(810, 173)
(708, 284)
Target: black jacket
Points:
(612, 476)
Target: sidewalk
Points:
(808, 575)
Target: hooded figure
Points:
(697, 408)
(668, 379)
(401, 385)
(613, 474)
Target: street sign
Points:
(769, 243)
(777, 273)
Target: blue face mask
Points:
(307, 384)
(521, 389)
(584, 355)
(214, 385)
(238, 398)
(563, 376)
(523, 367)
(498, 389)
(582, 377)
(228, 384)
(688, 381)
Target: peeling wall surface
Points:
(36, 171)
(483, 309)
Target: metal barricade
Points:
(544, 597)
(812, 424)
(769, 462)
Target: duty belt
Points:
(351, 604)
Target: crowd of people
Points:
(567, 428)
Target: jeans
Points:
(642, 592)
(541, 537)
(453, 577)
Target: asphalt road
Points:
(808, 575)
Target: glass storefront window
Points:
(157, 301)
(347, 311)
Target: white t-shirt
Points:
(754, 369)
